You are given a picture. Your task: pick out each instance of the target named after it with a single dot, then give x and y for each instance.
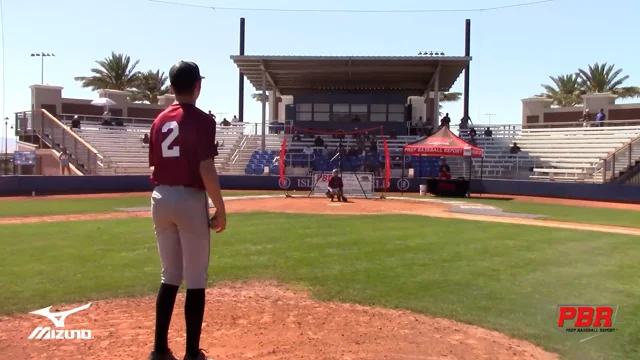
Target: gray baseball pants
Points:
(181, 223)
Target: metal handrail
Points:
(73, 134)
(53, 132)
(573, 124)
(612, 157)
(235, 154)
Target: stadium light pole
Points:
(6, 145)
(42, 56)
(489, 115)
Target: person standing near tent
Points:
(445, 170)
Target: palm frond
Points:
(115, 72)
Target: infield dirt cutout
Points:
(266, 320)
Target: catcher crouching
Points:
(335, 187)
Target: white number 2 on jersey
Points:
(167, 150)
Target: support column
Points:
(467, 53)
(436, 97)
(264, 110)
(241, 76)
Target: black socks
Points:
(164, 310)
(193, 315)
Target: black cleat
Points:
(162, 356)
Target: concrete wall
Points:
(50, 185)
(538, 110)
(50, 98)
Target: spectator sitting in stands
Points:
(416, 126)
(446, 120)
(488, 133)
(586, 117)
(308, 150)
(472, 139)
(361, 145)
(119, 122)
(373, 145)
(472, 132)
(445, 170)
(106, 119)
(464, 122)
(145, 139)
(75, 123)
(235, 119)
(308, 134)
(296, 137)
(393, 135)
(225, 122)
(325, 152)
(428, 127)
(218, 145)
(514, 149)
(318, 142)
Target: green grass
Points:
(58, 206)
(504, 277)
(588, 215)
(569, 213)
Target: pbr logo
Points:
(285, 184)
(587, 320)
(47, 333)
(403, 184)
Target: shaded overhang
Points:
(408, 74)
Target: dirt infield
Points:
(556, 201)
(269, 321)
(265, 321)
(357, 207)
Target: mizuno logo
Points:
(58, 317)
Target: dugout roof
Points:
(292, 74)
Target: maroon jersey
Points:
(181, 137)
(335, 182)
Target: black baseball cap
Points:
(184, 74)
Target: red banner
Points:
(283, 151)
(387, 163)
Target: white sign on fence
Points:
(355, 184)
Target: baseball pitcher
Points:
(181, 150)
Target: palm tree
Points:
(566, 90)
(115, 72)
(259, 97)
(601, 78)
(150, 85)
(447, 97)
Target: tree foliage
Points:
(150, 85)
(567, 90)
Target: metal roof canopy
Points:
(290, 74)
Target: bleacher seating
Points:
(574, 154)
(299, 163)
(124, 152)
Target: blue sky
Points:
(514, 50)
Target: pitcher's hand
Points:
(218, 222)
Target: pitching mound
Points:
(264, 321)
